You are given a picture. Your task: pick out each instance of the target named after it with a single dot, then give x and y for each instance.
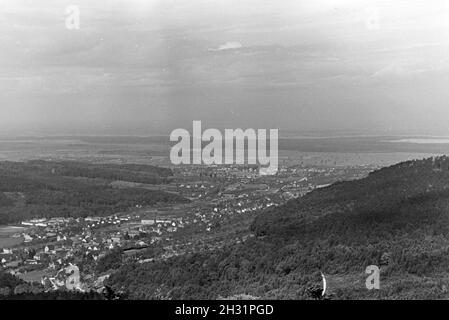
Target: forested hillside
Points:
(397, 218)
(71, 189)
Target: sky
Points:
(137, 66)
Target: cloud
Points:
(230, 45)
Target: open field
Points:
(6, 239)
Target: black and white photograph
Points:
(232, 153)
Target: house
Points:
(94, 219)
(116, 240)
(164, 221)
(148, 222)
(38, 256)
(5, 257)
(133, 233)
(49, 248)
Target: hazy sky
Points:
(158, 65)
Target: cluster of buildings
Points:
(53, 244)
